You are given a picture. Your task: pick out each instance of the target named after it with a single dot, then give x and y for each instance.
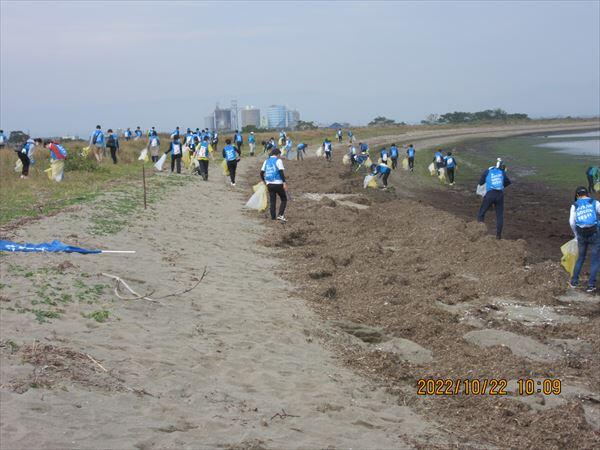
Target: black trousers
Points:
(274, 191)
(590, 183)
(450, 173)
(328, 156)
(495, 198)
(411, 162)
(25, 160)
(203, 168)
(232, 166)
(384, 178)
(113, 154)
(176, 160)
(239, 146)
(394, 163)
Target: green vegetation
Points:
(99, 316)
(488, 115)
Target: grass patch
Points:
(99, 316)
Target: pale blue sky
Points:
(66, 66)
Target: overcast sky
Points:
(66, 66)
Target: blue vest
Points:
(450, 162)
(230, 153)
(175, 132)
(438, 157)
(494, 180)
(288, 144)
(238, 138)
(383, 169)
(138, 133)
(251, 139)
(301, 146)
(364, 148)
(394, 151)
(384, 154)
(98, 137)
(271, 171)
(411, 152)
(585, 213)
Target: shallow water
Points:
(590, 147)
(587, 134)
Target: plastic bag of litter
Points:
(159, 164)
(481, 190)
(346, 160)
(370, 181)
(85, 151)
(431, 169)
(442, 175)
(143, 155)
(185, 157)
(258, 200)
(18, 166)
(570, 253)
(56, 171)
(597, 186)
(405, 163)
(319, 153)
(225, 168)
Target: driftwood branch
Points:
(188, 289)
(283, 415)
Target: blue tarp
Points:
(54, 246)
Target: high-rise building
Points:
(222, 119)
(276, 116)
(209, 122)
(292, 119)
(264, 122)
(250, 116)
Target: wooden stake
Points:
(144, 182)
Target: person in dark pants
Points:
(410, 152)
(232, 156)
(394, 156)
(593, 176)
(450, 163)
(272, 173)
(495, 181)
(203, 152)
(112, 142)
(383, 171)
(176, 150)
(584, 220)
(25, 155)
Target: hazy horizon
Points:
(67, 66)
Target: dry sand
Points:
(238, 362)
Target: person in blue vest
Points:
(394, 156)
(383, 155)
(438, 160)
(410, 153)
(272, 173)
(301, 151)
(252, 143)
(214, 142)
(451, 164)
(127, 134)
(350, 137)
(328, 149)
(97, 143)
(593, 176)
(288, 148)
(25, 155)
(364, 148)
(3, 139)
(176, 151)
(584, 217)
(352, 154)
(239, 140)
(382, 171)
(203, 152)
(495, 181)
(138, 133)
(112, 142)
(175, 132)
(232, 155)
(340, 135)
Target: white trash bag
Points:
(481, 190)
(159, 164)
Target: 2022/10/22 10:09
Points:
(487, 386)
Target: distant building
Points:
(209, 122)
(264, 122)
(250, 117)
(292, 119)
(277, 117)
(222, 119)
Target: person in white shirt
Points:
(272, 173)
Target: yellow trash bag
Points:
(370, 181)
(85, 151)
(570, 254)
(346, 159)
(405, 164)
(225, 168)
(18, 166)
(258, 200)
(431, 169)
(56, 171)
(185, 157)
(442, 175)
(368, 162)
